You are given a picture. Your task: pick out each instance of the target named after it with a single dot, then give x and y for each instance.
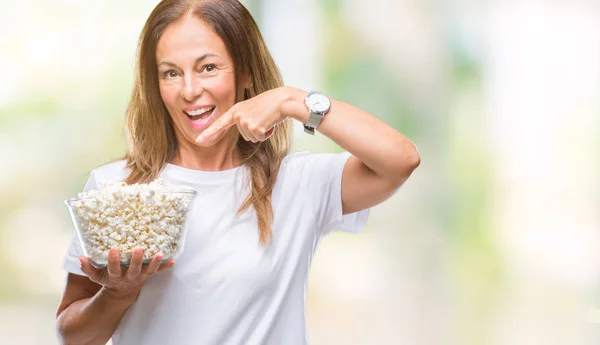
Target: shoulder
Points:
(111, 172)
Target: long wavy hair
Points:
(149, 128)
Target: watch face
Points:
(318, 102)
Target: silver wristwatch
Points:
(318, 105)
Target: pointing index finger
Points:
(220, 124)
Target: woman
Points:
(209, 111)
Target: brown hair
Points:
(150, 133)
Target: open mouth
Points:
(200, 117)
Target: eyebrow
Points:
(198, 60)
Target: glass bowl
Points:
(154, 221)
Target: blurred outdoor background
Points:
(495, 239)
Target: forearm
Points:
(377, 145)
(92, 320)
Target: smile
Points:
(200, 117)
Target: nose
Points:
(192, 87)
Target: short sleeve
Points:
(325, 183)
(71, 260)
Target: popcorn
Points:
(148, 216)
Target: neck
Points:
(223, 155)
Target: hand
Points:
(255, 118)
(121, 281)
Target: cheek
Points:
(222, 89)
(168, 93)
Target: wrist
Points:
(293, 104)
(119, 296)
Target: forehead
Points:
(188, 38)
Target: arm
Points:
(92, 306)
(88, 314)
(382, 158)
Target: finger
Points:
(166, 265)
(114, 265)
(135, 265)
(154, 264)
(255, 135)
(220, 124)
(269, 132)
(247, 134)
(253, 138)
(244, 133)
(88, 269)
(262, 137)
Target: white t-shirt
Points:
(226, 288)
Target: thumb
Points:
(88, 269)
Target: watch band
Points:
(313, 122)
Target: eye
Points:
(170, 74)
(209, 68)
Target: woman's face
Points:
(196, 76)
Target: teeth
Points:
(198, 111)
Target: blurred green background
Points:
(493, 240)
